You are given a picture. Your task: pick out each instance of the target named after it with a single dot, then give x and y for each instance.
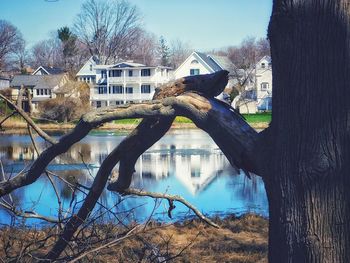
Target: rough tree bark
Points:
(307, 166)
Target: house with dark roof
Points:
(42, 87)
(47, 70)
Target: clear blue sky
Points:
(205, 24)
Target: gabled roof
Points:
(267, 58)
(26, 80)
(49, 70)
(214, 63)
(93, 60)
(209, 61)
(4, 78)
(37, 81)
(128, 65)
(224, 62)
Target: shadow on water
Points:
(185, 162)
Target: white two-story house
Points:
(122, 83)
(263, 84)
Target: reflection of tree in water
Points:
(249, 190)
(24, 150)
(72, 177)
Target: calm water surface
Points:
(184, 162)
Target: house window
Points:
(103, 74)
(194, 71)
(194, 61)
(196, 173)
(263, 65)
(119, 102)
(117, 90)
(98, 104)
(102, 90)
(130, 73)
(264, 86)
(145, 88)
(146, 72)
(45, 91)
(37, 92)
(129, 90)
(90, 67)
(115, 73)
(41, 91)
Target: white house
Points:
(87, 73)
(258, 91)
(263, 83)
(200, 63)
(122, 82)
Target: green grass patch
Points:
(180, 119)
(128, 121)
(258, 117)
(137, 121)
(251, 118)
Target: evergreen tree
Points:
(164, 52)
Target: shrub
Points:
(61, 109)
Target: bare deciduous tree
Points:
(245, 57)
(107, 28)
(144, 48)
(179, 51)
(10, 40)
(20, 57)
(47, 53)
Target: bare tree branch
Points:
(177, 198)
(25, 116)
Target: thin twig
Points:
(107, 245)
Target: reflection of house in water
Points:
(18, 153)
(194, 168)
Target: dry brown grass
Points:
(238, 240)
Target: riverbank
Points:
(18, 126)
(242, 239)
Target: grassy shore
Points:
(17, 126)
(239, 240)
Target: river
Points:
(184, 162)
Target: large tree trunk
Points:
(308, 181)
